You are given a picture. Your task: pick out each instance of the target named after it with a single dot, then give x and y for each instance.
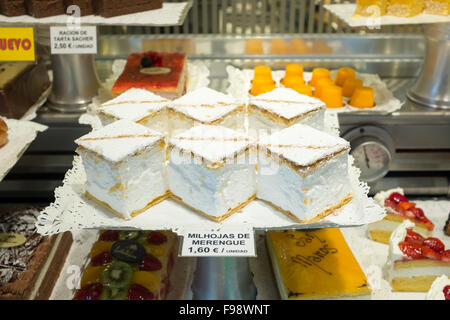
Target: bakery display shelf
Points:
(171, 14)
(77, 259)
(370, 255)
(346, 11)
(385, 101)
(21, 134)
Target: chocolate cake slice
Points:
(29, 268)
(44, 8)
(21, 85)
(12, 8)
(112, 8)
(85, 6)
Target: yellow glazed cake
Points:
(441, 7)
(315, 264)
(371, 7)
(405, 8)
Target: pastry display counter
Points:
(408, 148)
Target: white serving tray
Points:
(72, 211)
(345, 12)
(171, 14)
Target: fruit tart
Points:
(414, 262)
(163, 73)
(129, 265)
(398, 209)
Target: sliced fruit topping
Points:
(113, 293)
(129, 235)
(447, 292)
(390, 204)
(155, 237)
(101, 246)
(128, 251)
(404, 206)
(102, 259)
(150, 263)
(397, 197)
(445, 256)
(146, 279)
(156, 250)
(89, 292)
(435, 244)
(109, 235)
(411, 250)
(413, 237)
(430, 253)
(116, 275)
(91, 275)
(137, 292)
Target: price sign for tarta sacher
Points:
(80, 40)
(16, 44)
(218, 243)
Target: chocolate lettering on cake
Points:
(314, 259)
(128, 251)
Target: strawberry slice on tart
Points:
(414, 261)
(398, 208)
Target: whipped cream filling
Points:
(305, 196)
(436, 291)
(387, 225)
(212, 191)
(421, 271)
(129, 185)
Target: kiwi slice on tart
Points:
(117, 274)
(111, 293)
(129, 235)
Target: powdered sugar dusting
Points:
(213, 143)
(303, 145)
(205, 104)
(134, 104)
(286, 102)
(119, 139)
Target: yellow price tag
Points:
(17, 44)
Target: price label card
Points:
(218, 243)
(80, 40)
(17, 44)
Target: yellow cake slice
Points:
(371, 8)
(315, 264)
(441, 7)
(405, 8)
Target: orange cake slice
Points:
(315, 264)
(405, 8)
(441, 7)
(414, 262)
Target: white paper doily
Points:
(385, 102)
(20, 135)
(73, 211)
(170, 14)
(198, 77)
(346, 11)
